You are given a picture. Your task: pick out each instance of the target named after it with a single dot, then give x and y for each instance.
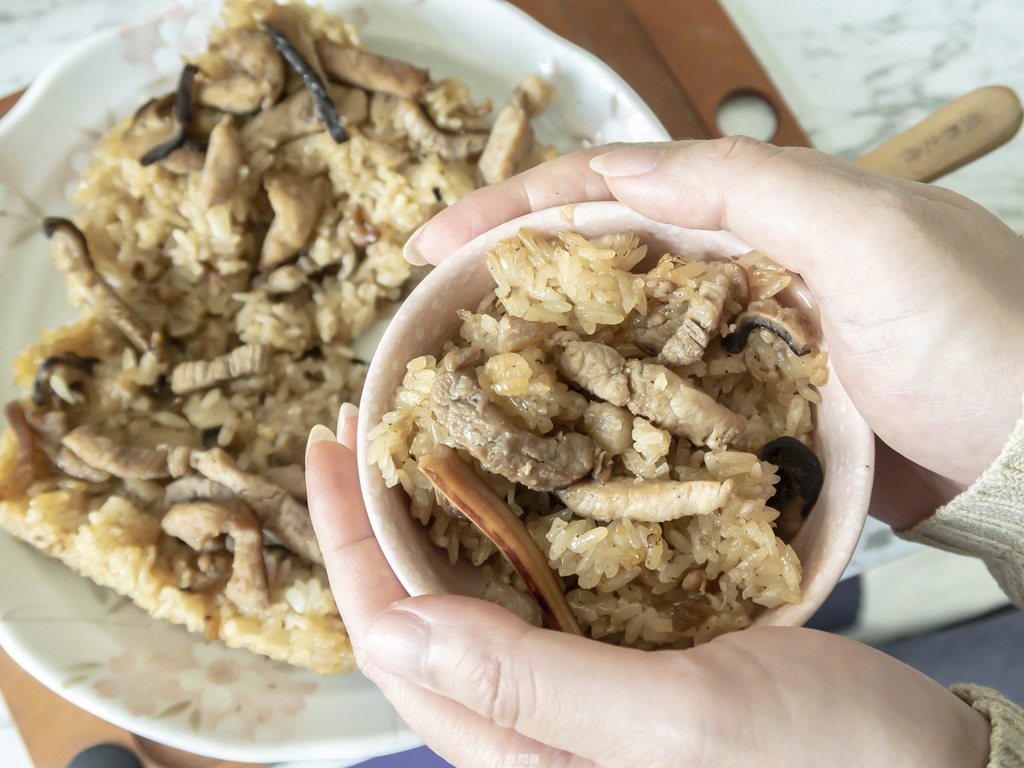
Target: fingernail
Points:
(318, 433)
(346, 415)
(409, 252)
(395, 641)
(629, 161)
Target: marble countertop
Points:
(854, 74)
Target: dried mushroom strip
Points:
(789, 324)
(184, 117)
(99, 293)
(62, 376)
(466, 491)
(326, 111)
(801, 476)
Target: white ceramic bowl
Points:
(428, 318)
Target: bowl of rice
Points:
(615, 427)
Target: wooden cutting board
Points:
(684, 58)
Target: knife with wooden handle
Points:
(952, 136)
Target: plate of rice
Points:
(202, 217)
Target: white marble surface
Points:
(854, 73)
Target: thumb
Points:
(537, 682)
(801, 207)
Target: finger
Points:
(785, 203)
(536, 682)
(771, 199)
(633, 160)
(571, 179)
(566, 179)
(361, 579)
(363, 585)
(463, 737)
(348, 421)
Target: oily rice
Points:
(252, 250)
(628, 580)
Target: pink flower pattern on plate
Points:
(145, 682)
(219, 691)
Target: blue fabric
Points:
(840, 608)
(985, 651)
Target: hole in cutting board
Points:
(748, 113)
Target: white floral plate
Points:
(88, 644)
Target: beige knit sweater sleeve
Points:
(987, 521)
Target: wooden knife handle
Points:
(950, 137)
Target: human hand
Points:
(919, 288)
(480, 685)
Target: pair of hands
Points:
(918, 290)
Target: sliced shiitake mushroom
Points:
(62, 375)
(183, 116)
(101, 295)
(789, 324)
(466, 491)
(801, 476)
